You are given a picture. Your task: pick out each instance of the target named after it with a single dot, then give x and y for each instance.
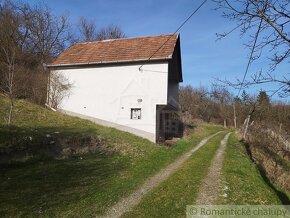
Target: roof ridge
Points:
(126, 38)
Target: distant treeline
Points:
(219, 106)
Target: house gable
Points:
(174, 67)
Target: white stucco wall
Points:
(109, 92)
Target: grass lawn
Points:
(244, 182)
(78, 186)
(181, 189)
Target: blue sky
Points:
(203, 58)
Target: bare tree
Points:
(39, 37)
(59, 89)
(187, 104)
(197, 103)
(30, 36)
(9, 77)
(87, 30)
(9, 36)
(267, 23)
(223, 98)
(110, 32)
(48, 35)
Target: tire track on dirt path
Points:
(211, 185)
(127, 203)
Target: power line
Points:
(251, 56)
(184, 22)
(256, 38)
(249, 61)
(247, 69)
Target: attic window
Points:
(135, 113)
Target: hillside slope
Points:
(81, 182)
(39, 131)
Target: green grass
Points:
(30, 120)
(88, 185)
(244, 182)
(181, 189)
(79, 186)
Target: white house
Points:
(130, 84)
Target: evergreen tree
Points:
(245, 98)
(263, 99)
(263, 103)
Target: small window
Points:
(135, 113)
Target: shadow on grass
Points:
(281, 195)
(21, 143)
(78, 186)
(44, 185)
(40, 186)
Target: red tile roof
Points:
(118, 50)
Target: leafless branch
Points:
(274, 32)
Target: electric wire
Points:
(184, 22)
(251, 56)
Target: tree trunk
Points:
(9, 123)
(280, 127)
(235, 116)
(246, 126)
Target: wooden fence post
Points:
(245, 129)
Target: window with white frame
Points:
(135, 113)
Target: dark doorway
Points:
(168, 123)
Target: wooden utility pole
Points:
(235, 117)
(246, 125)
(247, 121)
